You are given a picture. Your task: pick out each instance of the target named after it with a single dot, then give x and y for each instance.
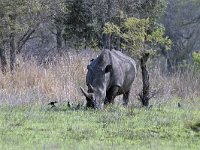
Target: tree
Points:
(141, 37)
(78, 23)
(3, 61)
(16, 24)
(196, 58)
(57, 14)
(182, 22)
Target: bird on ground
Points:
(52, 104)
(68, 104)
(179, 105)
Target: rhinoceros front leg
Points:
(111, 94)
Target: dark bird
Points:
(68, 104)
(78, 106)
(52, 104)
(179, 105)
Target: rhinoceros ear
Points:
(89, 67)
(90, 87)
(108, 68)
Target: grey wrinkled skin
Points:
(110, 74)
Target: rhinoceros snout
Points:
(98, 105)
(91, 101)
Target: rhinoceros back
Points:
(124, 70)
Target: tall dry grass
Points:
(60, 79)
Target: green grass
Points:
(162, 127)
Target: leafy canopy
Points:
(139, 35)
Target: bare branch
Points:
(26, 37)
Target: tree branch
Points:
(26, 37)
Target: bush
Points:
(196, 58)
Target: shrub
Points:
(196, 58)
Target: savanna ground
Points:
(27, 122)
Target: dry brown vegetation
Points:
(61, 78)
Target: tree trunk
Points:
(144, 95)
(12, 52)
(104, 43)
(109, 3)
(3, 61)
(12, 44)
(109, 41)
(59, 38)
(121, 12)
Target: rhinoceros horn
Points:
(86, 94)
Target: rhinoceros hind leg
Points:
(126, 98)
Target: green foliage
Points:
(196, 58)
(135, 31)
(18, 16)
(111, 28)
(116, 127)
(158, 37)
(138, 35)
(185, 65)
(79, 27)
(152, 8)
(85, 21)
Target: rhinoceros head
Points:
(97, 80)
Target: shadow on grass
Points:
(195, 127)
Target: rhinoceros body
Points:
(110, 74)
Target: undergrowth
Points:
(60, 80)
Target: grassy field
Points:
(27, 122)
(160, 127)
